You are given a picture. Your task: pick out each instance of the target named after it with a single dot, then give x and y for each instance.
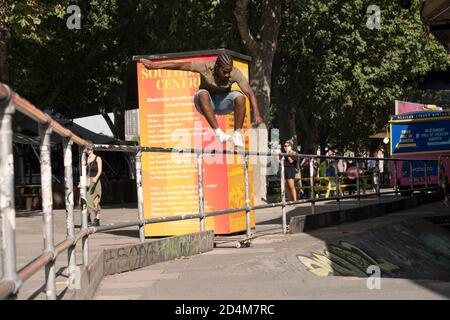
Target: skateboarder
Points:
(215, 96)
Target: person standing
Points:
(290, 164)
(306, 174)
(94, 186)
(373, 167)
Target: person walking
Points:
(94, 186)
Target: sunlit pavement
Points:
(270, 269)
(269, 252)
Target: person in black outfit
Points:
(94, 186)
(290, 164)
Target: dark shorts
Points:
(222, 103)
(289, 173)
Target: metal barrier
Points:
(12, 279)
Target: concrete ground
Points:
(263, 270)
(30, 243)
(270, 269)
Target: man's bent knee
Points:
(239, 101)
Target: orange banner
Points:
(169, 119)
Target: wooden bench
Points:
(327, 185)
(29, 196)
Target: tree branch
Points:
(4, 63)
(240, 13)
(108, 120)
(270, 25)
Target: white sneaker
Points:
(221, 136)
(237, 139)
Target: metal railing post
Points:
(358, 184)
(140, 198)
(84, 213)
(47, 207)
(378, 186)
(395, 179)
(338, 185)
(7, 204)
(312, 184)
(426, 176)
(201, 199)
(247, 196)
(411, 178)
(283, 195)
(439, 178)
(70, 225)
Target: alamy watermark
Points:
(74, 20)
(74, 282)
(203, 138)
(374, 19)
(374, 280)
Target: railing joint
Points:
(16, 281)
(54, 253)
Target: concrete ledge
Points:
(139, 255)
(306, 223)
(132, 257)
(90, 279)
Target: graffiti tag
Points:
(344, 259)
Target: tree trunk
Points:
(292, 125)
(261, 50)
(108, 120)
(118, 100)
(4, 65)
(119, 122)
(286, 114)
(307, 132)
(119, 113)
(287, 124)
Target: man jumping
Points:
(215, 96)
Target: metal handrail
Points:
(13, 280)
(28, 109)
(131, 149)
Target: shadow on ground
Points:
(415, 249)
(132, 205)
(124, 233)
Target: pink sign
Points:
(405, 107)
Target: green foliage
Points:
(24, 18)
(76, 70)
(341, 75)
(136, 138)
(344, 76)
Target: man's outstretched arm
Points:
(183, 65)
(248, 91)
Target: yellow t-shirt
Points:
(210, 82)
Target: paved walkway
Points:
(270, 269)
(30, 242)
(29, 230)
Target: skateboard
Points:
(238, 242)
